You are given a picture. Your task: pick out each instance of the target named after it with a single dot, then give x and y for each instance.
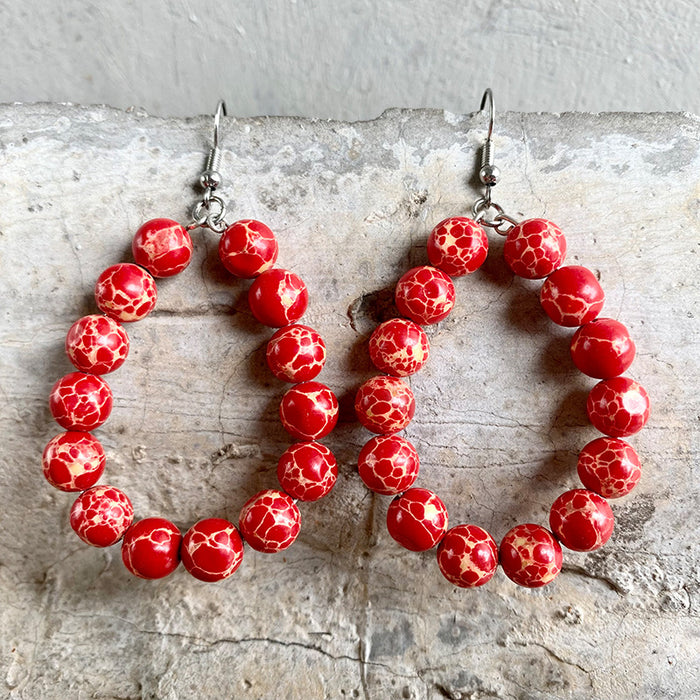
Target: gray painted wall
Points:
(351, 59)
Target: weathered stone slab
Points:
(500, 418)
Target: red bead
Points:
(581, 520)
(270, 521)
(534, 248)
(618, 407)
(296, 354)
(384, 404)
(101, 515)
(425, 295)
(572, 296)
(467, 556)
(458, 246)
(417, 520)
(126, 292)
(388, 464)
(399, 347)
(97, 344)
(530, 556)
(278, 297)
(309, 411)
(212, 549)
(163, 247)
(151, 548)
(307, 471)
(73, 461)
(248, 248)
(602, 348)
(80, 401)
(609, 466)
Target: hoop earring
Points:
(580, 519)
(73, 461)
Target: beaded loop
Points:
(581, 519)
(270, 521)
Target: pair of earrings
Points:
(388, 464)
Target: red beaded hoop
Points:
(212, 549)
(580, 519)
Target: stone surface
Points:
(194, 432)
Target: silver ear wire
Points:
(489, 174)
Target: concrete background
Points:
(345, 612)
(351, 59)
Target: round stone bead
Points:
(458, 246)
(530, 556)
(296, 354)
(602, 348)
(270, 521)
(309, 411)
(425, 294)
(126, 292)
(151, 548)
(163, 247)
(97, 344)
(609, 466)
(572, 296)
(278, 297)
(384, 404)
(581, 520)
(467, 556)
(399, 347)
(80, 401)
(307, 471)
(212, 549)
(417, 519)
(534, 248)
(248, 248)
(73, 461)
(388, 464)
(618, 407)
(101, 515)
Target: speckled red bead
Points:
(618, 407)
(384, 404)
(278, 297)
(101, 515)
(212, 549)
(609, 466)
(307, 471)
(530, 556)
(270, 521)
(151, 548)
(388, 464)
(399, 347)
(467, 556)
(73, 461)
(458, 246)
(581, 520)
(309, 411)
(97, 344)
(163, 247)
(602, 348)
(248, 248)
(572, 296)
(296, 353)
(126, 292)
(417, 519)
(80, 401)
(425, 294)
(534, 248)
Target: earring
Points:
(81, 401)
(608, 467)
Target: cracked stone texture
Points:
(500, 409)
